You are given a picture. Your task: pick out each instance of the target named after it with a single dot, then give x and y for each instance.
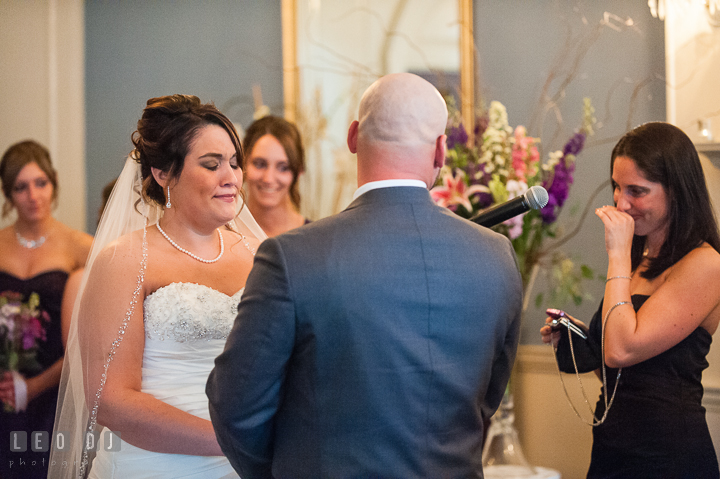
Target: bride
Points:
(157, 302)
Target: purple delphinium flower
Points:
(558, 190)
(456, 136)
(575, 144)
(477, 176)
(561, 179)
(481, 124)
(547, 213)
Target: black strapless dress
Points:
(656, 427)
(40, 413)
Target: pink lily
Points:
(454, 190)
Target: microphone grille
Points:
(537, 197)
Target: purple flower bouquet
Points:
(22, 326)
(503, 163)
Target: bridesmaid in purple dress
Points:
(38, 255)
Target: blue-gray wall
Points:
(520, 42)
(218, 49)
(139, 49)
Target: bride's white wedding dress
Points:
(186, 326)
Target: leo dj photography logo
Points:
(25, 444)
(40, 442)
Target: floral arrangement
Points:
(503, 163)
(22, 325)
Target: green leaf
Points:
(13, 361)
(34, 301)
(586, 272)
(539, 300)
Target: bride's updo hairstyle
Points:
(165, 132)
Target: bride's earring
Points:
(168, 204)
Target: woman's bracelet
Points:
(618, 277)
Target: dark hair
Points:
(15, 159)
(288, 136)
(106, 192)
(665, 155)
(165, 132)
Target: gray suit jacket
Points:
(369, 344)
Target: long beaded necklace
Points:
(194, 256)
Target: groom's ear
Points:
(160, 176)
(440, 151)
(353, 136)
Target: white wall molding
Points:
(42, 91)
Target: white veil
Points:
(126, 211)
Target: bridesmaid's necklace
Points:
(194, 256)
(30, 244)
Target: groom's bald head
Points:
(402, 108)
(400, 130)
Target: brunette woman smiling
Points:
(653, 330)
(275, 159)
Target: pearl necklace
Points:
(194, 256)
(30, 244)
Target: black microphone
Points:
(533, 199)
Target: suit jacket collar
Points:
(394, 194)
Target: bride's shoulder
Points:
(123, 250)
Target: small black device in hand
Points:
(560, 320)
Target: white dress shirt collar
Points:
(387, 184)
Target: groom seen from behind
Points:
(373, 343)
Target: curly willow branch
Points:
(576, 230)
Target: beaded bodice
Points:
(184, 312)
(186, 326)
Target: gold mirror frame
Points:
(291, 87)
